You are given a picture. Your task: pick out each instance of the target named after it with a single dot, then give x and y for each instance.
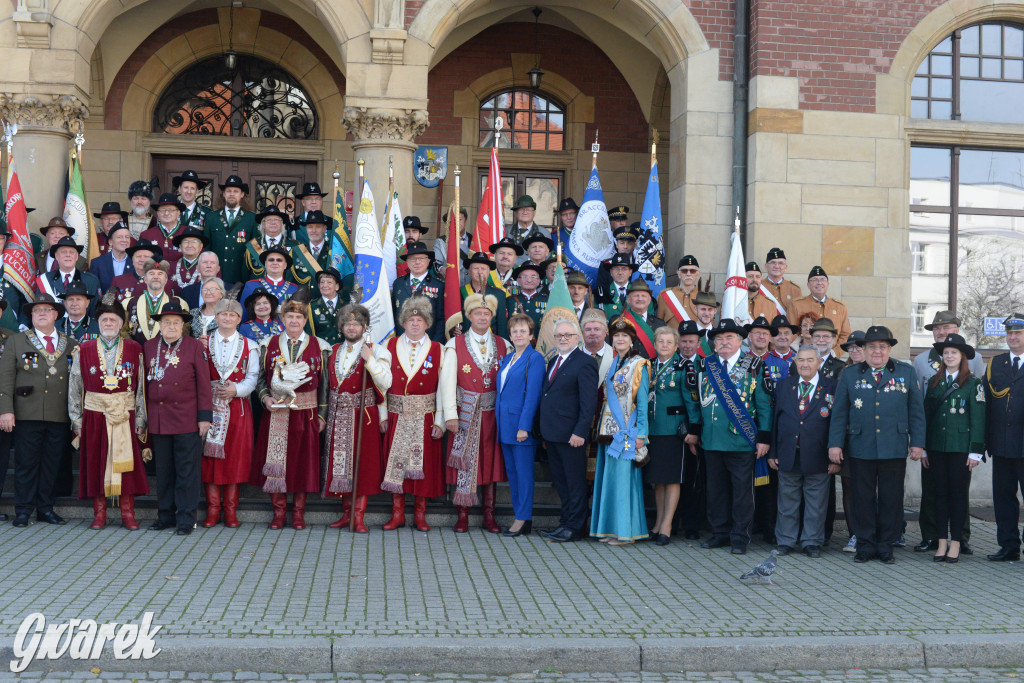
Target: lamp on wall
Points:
(536, 73)
(230, 57)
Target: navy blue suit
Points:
(103, 268)
(91, 282)
(515, 408)
(567, 407)
(808, 429)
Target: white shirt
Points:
(504, 372)
(813, 382)
(731, 362)
(223, 346)
(404, 348)
(273, 241)
(333, 302)
(42, 337)
(1020, 363)
(70, 275)
(563, 356)
(950, 378)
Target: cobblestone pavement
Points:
(322, 582)
(975, 675)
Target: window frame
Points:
(485, 137)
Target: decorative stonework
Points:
(34, 22)
(42, 111)
(385, 124)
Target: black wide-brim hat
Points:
(759, 323)
(265, 254)
(66, 241)
(172, 307)
(76, 288)
(310, 190)
(538, 238)
(621, 260)
(168, 199)
(506, 242)
(329, 272)
(955, 341)
(417, 249)
(878, 333)
(275, 302)
(478, 257)
(727, 325)
(272, 210)
(529, 265)
(780, 321)
(146, 245)
(854, 339)
(235, 181)
(191, 232)
(567, 204)
(316, 217)
(190, 175)
(111, 208)
(26, 309)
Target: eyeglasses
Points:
(566, 336)
(689, 271)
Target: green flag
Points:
(559, 308)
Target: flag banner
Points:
(559, 308)
(452, 285)
(371, 279)
(19, 262)
(734, 299)
(76, 211)
(591, 240)
(342, 257)
(650, 248)
(392, 236)
(490, 219)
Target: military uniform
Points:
(692, 511)
(785, 292)
(829, 308)
(875, 422)
(322, 320)
(432, 288)
(1004, 439)
(667, 307)
(34, 388)
(666, 412)
(198, 216)
(228, 239)
(85, 329)
(499, 324)
(256, 246)
(759, 305)
(534, 306)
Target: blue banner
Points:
(591, 241)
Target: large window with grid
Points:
(530, 120)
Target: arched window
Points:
(529, 119)
(256, 99)
(976, 74)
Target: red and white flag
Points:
(19, 264)
(734, 299)
(490, 220)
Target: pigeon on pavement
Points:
(763, 570)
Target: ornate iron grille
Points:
(256, 99)
(278, 192)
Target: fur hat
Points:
(292, 306)
(229, 305)
(594, 315)
(355, 312)
(150, 264)
(114, 307)
(417, 305)
(476, 300)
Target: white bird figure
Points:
(763, 570)
(286, 378)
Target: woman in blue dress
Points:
(618, 516)
(261, 309)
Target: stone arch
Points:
(893, 88)
(134, 93)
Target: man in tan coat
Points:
(675, 304)
(759, 304)
(775, 283)
(818, 302)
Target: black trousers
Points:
(731, 493)
(766, 505)
(692, 512)
(569, 475)
(38, 449)
(178, 476)
(877, 502)
(5, 456)
(928, 521)
(830, 515)
(952, 482)
(1007, 478)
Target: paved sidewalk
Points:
(333, 601)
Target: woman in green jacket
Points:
(954, 406)
(665, 411)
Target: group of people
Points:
(219, 345)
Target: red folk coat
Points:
(490, 464)
(371, 460)
(234, 467)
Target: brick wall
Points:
(617, 114)
(112, 107)
(412, 8)
(715, 18)
(835, 47)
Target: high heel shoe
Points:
(524, 530)
(940, 558)
(954, 560)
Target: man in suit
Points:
(675, 304)
(732, 438)
(109, 216)
(1004, 437)
(127, 284)
(823, 337)
(53, 232)
(316, 254)
(640, 313)
(692, 512)
(231, 230)
(800, 423)
(179, 409)
(523, 227)
(115, 261)
(311, 200)
(34, 406)
(54, 283)
(625, 243)
(819, 302)
(877, 421)
(775, 283)
(188, 186)
(420, 280)
(323, 311)
(567, 405)
(77, 323)
(168, 225)
(611, 297)
(207, 267)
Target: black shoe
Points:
(548, 532)
(770, 539)
(739, 548)
(562, 536)
(662, 540)
(886, 558)
(862, 556)
(159, 526)
(812, 551)
(784, 550)
(183, 531)
(938, 558)
(20, 519)
(50, 517)
(3, 517)
(524, 530)
(965, 549)
(1005, 555)
(692, 535)
(715, 542)
(925, 546)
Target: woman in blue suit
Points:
(519, 385)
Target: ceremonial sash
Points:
(643, 332)
(625, 438)
(674, 305)
(43, 283)
(725, 392)
(771, 297)
(312, 264)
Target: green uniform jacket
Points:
(709, 419)
(229, 243)
(499, 325)
(14, 299)
(877, 421)
(199, 217)
(431, 287)
(27, 388)
(957, 424)
(322, 323)
(667, 407)
(303, 271)
(535, 307)
(254, 247)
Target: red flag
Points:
(20, 266)
(490, 220)
(452, 285)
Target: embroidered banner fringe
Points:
(277, 442)
(405, 461)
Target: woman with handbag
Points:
(618, 516)
(520, 378)
(954, 408)
(665, 415)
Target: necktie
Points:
(231, 216)
(877, 375)
(49, 344)
(67, 280)
(554, 370)
(622, 293)
(1016, 364)
(294, 347)
(330, 307)
(415, 282)
(805, 391)
(316, 252)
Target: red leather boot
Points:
(230, 501)
(212, 505)
(128, 512)
(299, 511)
(397, 512)
(346, 509)
(280, 503)
(359, 510)
(490, 490)
(462, 523)
(99, 512)
(419, 514)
